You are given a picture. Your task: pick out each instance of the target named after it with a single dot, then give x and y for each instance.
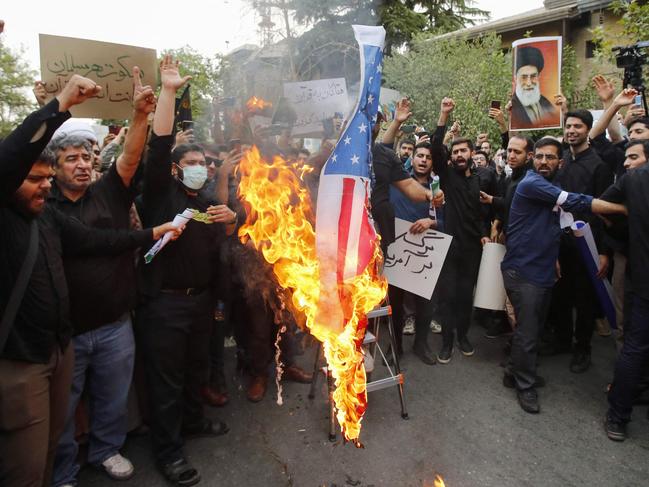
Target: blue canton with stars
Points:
(353, 153)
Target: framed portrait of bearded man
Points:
(536, 84)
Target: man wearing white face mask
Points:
(174, 319)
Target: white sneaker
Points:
(435, 327)
(409, 326)
(118, 468)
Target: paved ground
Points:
(463, 425)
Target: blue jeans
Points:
(531, 304)
(631, 360)
(104, 361)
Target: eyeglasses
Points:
(213, 160)
(528, 77)
(547, 157)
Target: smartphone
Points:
(408, 129)
(113, 129)
(495, 104)
(186, 125)
(638, 100)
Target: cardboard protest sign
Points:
(537, 80)
(320, 106)
(109, 65)
(414, 261)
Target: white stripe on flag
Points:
(351, 257)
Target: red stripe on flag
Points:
(365, 244)
(344, 222)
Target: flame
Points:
(279, 225)
(439, 482)
(257, 104)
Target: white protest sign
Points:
(490, 290)
(414, 261)
(315, 103)
(109, 65)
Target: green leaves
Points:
(15, 81)
(472, 72)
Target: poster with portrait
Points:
(536, 84)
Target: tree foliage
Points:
(15, 80)
(634, 23)
(205, 85)
(472, 72)
(402, 19)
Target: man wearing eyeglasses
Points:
(529, 267)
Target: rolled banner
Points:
(588, 250)
(179, 221)
(490, 290)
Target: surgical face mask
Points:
(194, 177)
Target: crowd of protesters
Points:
(78, 299)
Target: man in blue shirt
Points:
(529, 267)
(419, 214)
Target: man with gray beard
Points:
(529, 106)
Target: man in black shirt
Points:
(102, 294)
(582, 172)
(174, 320)
(36, 362)
(632, 190)
(464, 221)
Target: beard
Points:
(528, 97)
(462, 168)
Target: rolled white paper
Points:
(490, 290)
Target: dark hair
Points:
(180, 150)
(423, 145)
(48, 156)
(407, 141)
(583, 115)
(643, 143)
(643, 120)
(462, 140)
(486, 156)
(547, 141)
(529, 143)
(307, 152)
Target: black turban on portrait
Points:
(529, 56)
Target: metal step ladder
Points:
(376, 318)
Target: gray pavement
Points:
(463, 425)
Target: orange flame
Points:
(439, 482)
(279, 225)
(257, 104)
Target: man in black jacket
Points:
(174, 319)
(36, 361)
(102, 294)
(465, 222)
(583, 172)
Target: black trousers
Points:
(256, 332)
(423, 314)
(457, 280)
(632, 360)
(173, 334)
(574, 290)
(531, 304)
